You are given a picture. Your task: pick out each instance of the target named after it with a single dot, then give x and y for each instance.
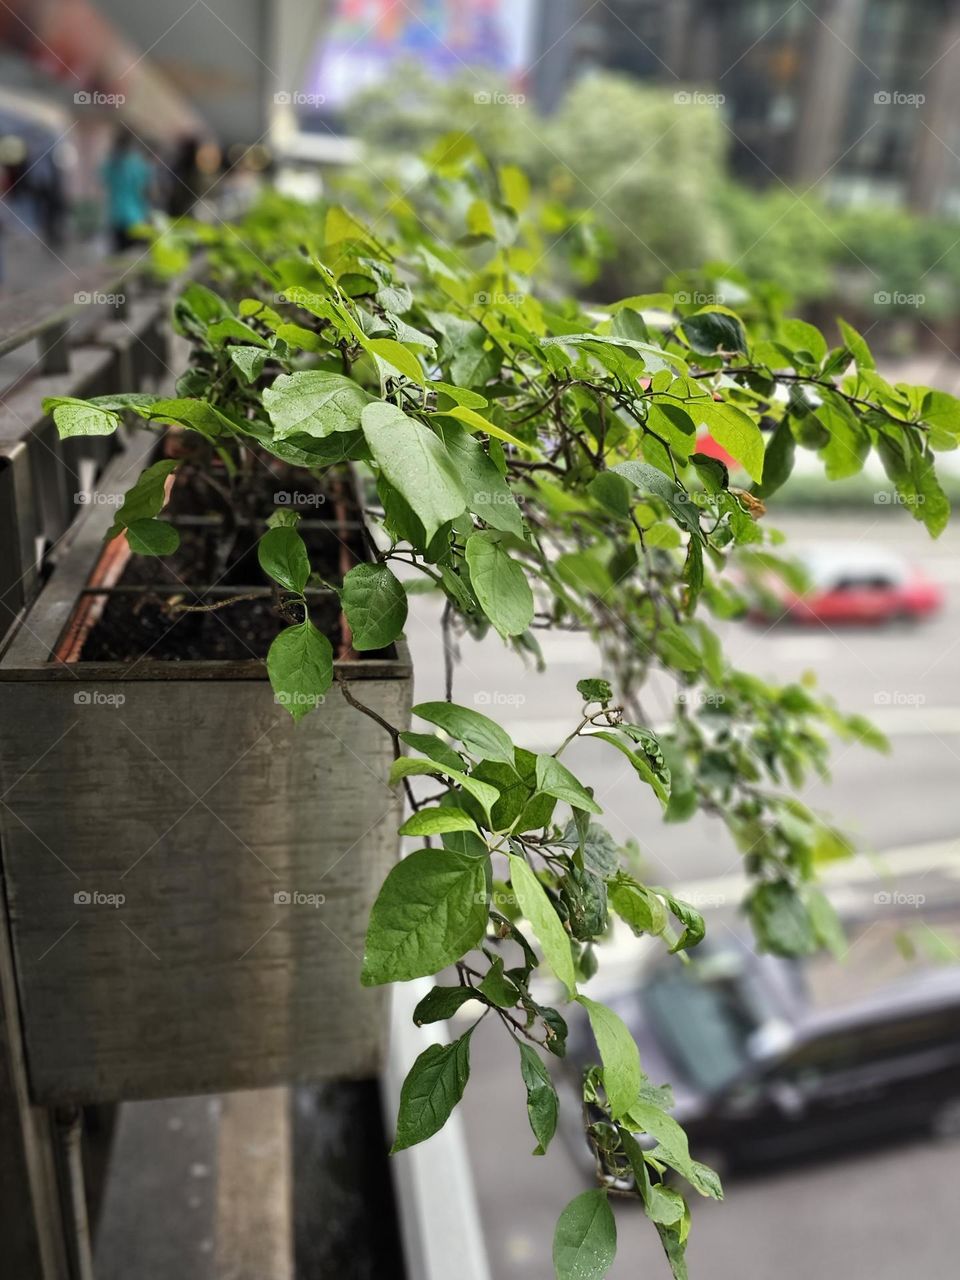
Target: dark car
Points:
(772, 1058)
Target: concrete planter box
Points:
(188, 872)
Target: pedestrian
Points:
(126, 177)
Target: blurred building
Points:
(863, 95)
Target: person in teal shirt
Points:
(126, 176)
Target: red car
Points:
(855, 584)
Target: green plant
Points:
(538, 467)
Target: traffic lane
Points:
(862, 1214)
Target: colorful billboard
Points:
(366, 38)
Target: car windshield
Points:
(704, 1016)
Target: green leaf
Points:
(442, 1003)
(592, 690)
(148, 537)
(249, 360)
(622, 1077)
(734, 431)
(856, 346)
(781, 920)
(645, 772)
(146, 498)
(480, 735)
(436, 821)
(556, 780)
(433, 1087)
(430, 745)
(300, 667)
(488, 494)
(543, 1105)
(481, 791)
(283, 556)
(672, 1148)
(639, 907)
(536, 906)
(498, 988)
(375, 604)
(711, 331)
(585, 1239)
(431, 910)
(500, 584)
(694, 928)
(778, 460)
(75, 417)
(314, 403)
(416, 464)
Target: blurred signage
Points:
(366, 38)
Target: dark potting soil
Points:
(218, 547)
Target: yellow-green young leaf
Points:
(300, 667)
(431, 910)
(622, 1077)
(734, 431)
(514, 187)
(480, 220)
(585, 1239)
(149, 537)
(537, 908)
(477, 422)
(433, 1087)
(75, 417)
(396, 353)
(341, 225)
(438, 821)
